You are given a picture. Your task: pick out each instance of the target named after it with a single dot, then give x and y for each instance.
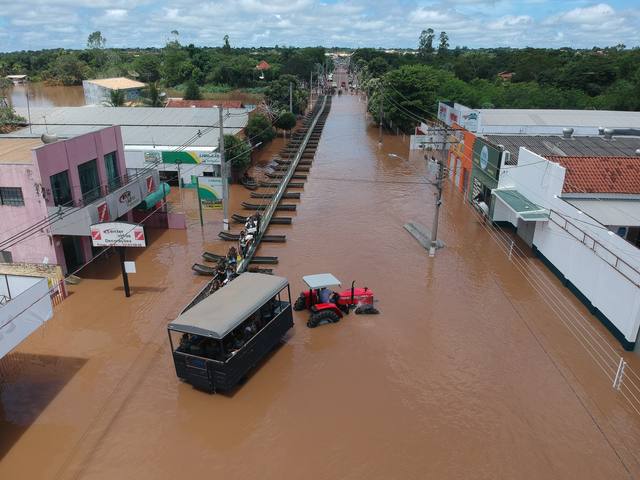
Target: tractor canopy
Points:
(321, 280)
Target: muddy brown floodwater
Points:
(42, 95)
(466, 373)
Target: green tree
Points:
(286, 121)
(259, 129)
(176, 66)
(96, 40)
(443, 46)
(192, 92)
(116, 98)
(238, 152)
(68, 69)
(151, 96)
(147, 66)
(425, 43)
(226, 47)
(9, 120)
(277, 94)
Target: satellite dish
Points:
(49, 138)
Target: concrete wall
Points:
(14, 219)
(608, 291)
(13, 285)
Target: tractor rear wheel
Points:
(300, 303)
(328, 316)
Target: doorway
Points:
(72, 249)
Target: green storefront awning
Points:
(520, 205)
(154, 197)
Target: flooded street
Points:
(466, 373)
(42, 95)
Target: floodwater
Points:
(43, 95)
(466, 373)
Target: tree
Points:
(277, 94)
(9, 120)
(238, 152)
(176, 65)
(425, 44)
(192, 92)
(151, 96)
(147, 66)
(443, 47)
(226, 47)
(68, 69)
(259, 129)
(116, 98)
(96, 40)
(378, 67)
(286, 121)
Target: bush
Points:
(238, 152)
(259, 129)
(192, 92)
(286, 121)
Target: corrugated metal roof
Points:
(600, 174)
(556, 145)
(610, 212)
(567, 118)
(139, 125)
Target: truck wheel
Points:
(299, 304)
(327, 316)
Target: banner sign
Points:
(117, 234)
(103, 212)
(182, 157)
(210, 192)
(487, 157)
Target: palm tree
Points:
(116, 98)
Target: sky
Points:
(36, 24)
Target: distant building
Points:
(17, 79)
(505, 76)
(75, 183)
(97, 92)
(263, 65)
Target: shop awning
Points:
(520, 205)
(154, 197)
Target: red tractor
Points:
(327, 306)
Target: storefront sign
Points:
(103, 212)
(210, 192)
(127, 198)
(117, 234)
(487, 157)
(182, 157)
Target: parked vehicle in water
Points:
(216, 341)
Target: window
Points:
(60, 188)
(11, 196)
(89, 181)
(111, 165)
(6, 256)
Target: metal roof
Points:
(610, 212)
(566, 118)
(575, 146)
(18, 150)
(320, 280)
(139, 125)
(520, 205)
(228, 307)
(117, 83)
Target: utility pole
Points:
(311, 89)
(439, 179)
(225, 174)
(380, 126)
(291, 97)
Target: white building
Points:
(98, 92)
(570, 210)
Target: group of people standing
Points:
(250, 232)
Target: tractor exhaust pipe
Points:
(353, 284)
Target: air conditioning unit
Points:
(506, 158)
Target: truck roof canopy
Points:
(320, 280)
(228, 307)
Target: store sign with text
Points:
(117, 234)
(182, 157)
(487, 158)
(210, 192)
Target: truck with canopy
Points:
(217, 339)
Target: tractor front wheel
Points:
(300, 303)
(326, 316)
(367, 310)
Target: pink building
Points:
(62, 188)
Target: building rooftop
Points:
(619, 175)
(566, 118)
(117, 83)
(139, 126)
(18, 150)
(181, 103)
(556, 145)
